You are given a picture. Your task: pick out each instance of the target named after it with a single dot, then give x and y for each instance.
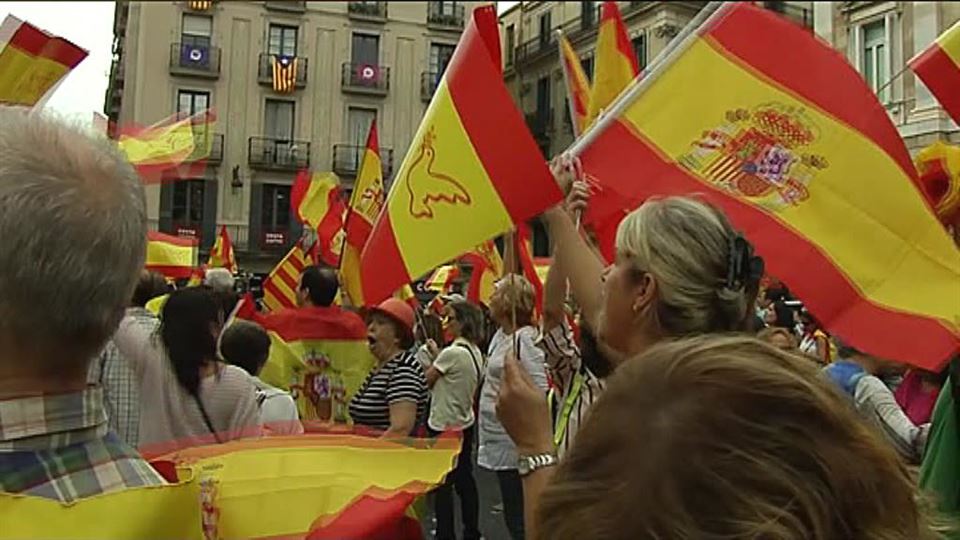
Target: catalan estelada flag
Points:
(172, 256)
(221, 255)
(315, 199)
(284, 73)
(487, 269)
(805, 161)
(615, 62)
(578, 86)
(32, 62)
(158, 151)
(280, 287)
(472, 171)
(938, 66)
(366, 203)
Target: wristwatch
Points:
(528, 464)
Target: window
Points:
(873, 59)
(358, 124)
(278, 119)
(640, 50)
(365, 49)
(446, 8)
(276, 207)
(282, 40)
(188, 202)
(587, 14)
(545, 27)
(196, 30)
(440, 54)
(509, 45)
(190, 102)
(587, 64)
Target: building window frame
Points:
(354, 34)
(282, 43)
(641, 49)
(274, 204)
(192, 94)
(188, 202)
(196, 40)
(510, 41)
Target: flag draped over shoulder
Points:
(280, 287)
(221, 255)
(578, 86)
(32, 62)
(366, 203)
(805, 161)
(938, 66)
(472, 171)
(616, 63)
(316, 200)
(487, 269)
(176, 147)
(172, 256)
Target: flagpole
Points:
(568, 79)
(638, 86)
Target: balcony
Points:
(265, 71)
(365, 79)
(194, 60)
(273, 154)
(290, 6)
(216, 150)
(347, 158)
(368, 11)
(445, 15)
(540, 123)
(429, 81)
(537, 47)
(797, 14)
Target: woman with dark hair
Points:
(188, 395)
(429, 333)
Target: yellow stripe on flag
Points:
(949, 41)
(162, 253)
(171, 143)
(316, 202)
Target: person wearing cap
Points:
(393, 399)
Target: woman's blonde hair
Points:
(514, 291)
(727, 437)
(686, 245)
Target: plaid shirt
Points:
(60, 447)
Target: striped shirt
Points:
(563, 362)
(400, 379)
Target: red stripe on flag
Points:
(382, 270)
(270, 287)
(182, 241)
(358, 229)
(610, 14)
(835, 87)
(284, 275)
(371, 518)
(175, 272)
(942, 76)
(909, 338)
(331, 323)
(32, 40)
(495, 127)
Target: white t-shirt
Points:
(278, 410)
(460, 366)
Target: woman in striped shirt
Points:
(394, 397)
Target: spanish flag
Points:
(805, 161)
(487, 269)
(527, 266)
(316, 201)
(280, 287)
(221, 256)
(578, 86)
(938, 66)
(616, 63)
(284, 73)
(172, 256)
(366, 203)
(442, 278)
(157, 151)
(32, 62)
(472, 171)
(939, 168)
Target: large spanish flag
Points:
(616, 63)
(578, 86)
(172, 256)
(221, 255)
(472, 172)
(316, 200)
(938, 66)
(804, 160)
(366, 203)
(487, 269)
(159, 151)
(280, 287)
(32, 62)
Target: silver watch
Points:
(528, 464)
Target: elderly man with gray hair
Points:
(72, 235)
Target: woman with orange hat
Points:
(394, 397)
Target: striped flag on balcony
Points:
(284, 73)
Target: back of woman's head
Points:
(189, 325)
(727, 437)
(689, 248)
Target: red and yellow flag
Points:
(487, 269)
(280, 287)
(366, 203)
(527, 266)
(442, 278)
(939, 168)
(172, 256)
(938, 66)
(221, 255)
(616, 63)
(284, 73)
(578, 86)
(805, 161)
(32, 62)
(472, 172)
(174, 148)
(316, 201)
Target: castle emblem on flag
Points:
(427, 187)
(761, 155)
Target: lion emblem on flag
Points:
(761, 154)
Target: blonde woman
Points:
(738, 440)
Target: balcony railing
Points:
(347, 158)
(291, 6)
(445, 15)
(368, 11)
(239, 235)
(429, 80)
(365, 78)
(799, 15)
(540, 122)
(543, 44)
(265, 70)
(271, 153)
(194, 60)
(216, 150)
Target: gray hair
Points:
(219, 279)
(72, 236)
(685, 245)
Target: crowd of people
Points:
(662, 396)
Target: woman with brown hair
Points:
(727, 437)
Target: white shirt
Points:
(278, 410)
